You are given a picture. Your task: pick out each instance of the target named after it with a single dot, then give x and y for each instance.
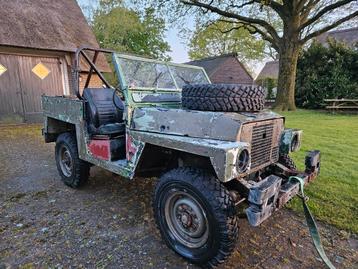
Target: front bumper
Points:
(274, 191)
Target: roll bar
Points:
(92, 63)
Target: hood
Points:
(199, 124)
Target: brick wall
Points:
(231, 71)
(95, 82)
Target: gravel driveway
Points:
(109, 223)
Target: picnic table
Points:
(338, 104)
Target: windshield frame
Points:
(123, 82)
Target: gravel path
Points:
(109, 223)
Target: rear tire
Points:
(196, 216)
(74, 172)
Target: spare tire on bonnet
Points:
(223, 97)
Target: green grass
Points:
(334, 194)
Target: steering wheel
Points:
(120, 95)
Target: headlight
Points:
(290, 141)
(243, 161)
(296, 140)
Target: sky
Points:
(179, 51)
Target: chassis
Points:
(209, 163)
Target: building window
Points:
(41, 70)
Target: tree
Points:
(122, 29)
(317, 80)
(301, 21)
(217, 39)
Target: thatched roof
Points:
(45, 24)
(270, 70)
(217, 63)
(347, 36)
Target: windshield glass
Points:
(140, 74)
(185, 75)
(153, 74)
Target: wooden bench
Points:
(341, 104)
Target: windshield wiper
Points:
(183, 79)
(156, 79)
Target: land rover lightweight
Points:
(213, 147)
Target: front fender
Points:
(222, 154)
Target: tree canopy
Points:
(123, 29)
(217, 39)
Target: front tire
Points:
(74, 172)
(287, 161)
(196, 216)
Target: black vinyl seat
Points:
(104, 118)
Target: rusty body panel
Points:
(200, 124)
(64, 109)
(222, 154)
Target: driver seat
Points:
(103, 117)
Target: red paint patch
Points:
(130, 148)
(100, 149)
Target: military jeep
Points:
(216, 151)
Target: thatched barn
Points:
(38, 39)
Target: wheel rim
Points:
(66, 162)
(186, 219)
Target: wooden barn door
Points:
(11, 107)
(25, 79)
(38, 76)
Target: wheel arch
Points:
(222, 154)
(155, 160)
(54, 127)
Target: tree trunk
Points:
(285, 99)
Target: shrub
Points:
(270, 85)
(326, 72)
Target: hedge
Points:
(326, 72)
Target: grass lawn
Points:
(334, 194)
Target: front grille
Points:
(274, 155)
(261, 144)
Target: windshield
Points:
(153, 74)
(186, 75)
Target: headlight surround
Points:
(243, 161)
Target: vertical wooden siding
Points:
(33, 86)
(21, 89)
(10, 90)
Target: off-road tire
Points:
(223, 97)
(287, 161)
(81, 169)
(219, 209)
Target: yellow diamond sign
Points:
(41, 71)
(2, 69)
